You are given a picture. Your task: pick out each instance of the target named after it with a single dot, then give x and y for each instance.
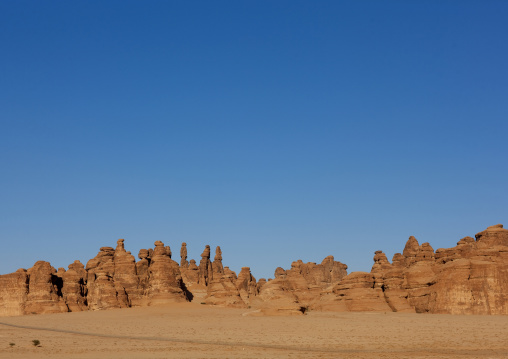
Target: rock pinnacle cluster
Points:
(470, 278)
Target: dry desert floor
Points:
(197, 331)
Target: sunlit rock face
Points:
(13, 293)
(44, 290)
(74, 290)
(470, 278)
(165, 281)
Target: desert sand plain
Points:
(191, 330)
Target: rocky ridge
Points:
(470, 278)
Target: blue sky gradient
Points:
(278, 130)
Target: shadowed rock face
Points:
(74, 290)
(44, 295)
(470, 278)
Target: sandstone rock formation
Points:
(217, 267)
(246, 284)
(470, 278)
(44, 294)
(224, 287)
(101, 288)
(294, 290)
(183, 255)
(13, 293)
(191, 273)
(222, 291)
(74, 289)
(165, 282)
(125, 277)
(357, 292)
(142, 271)
(205, 267)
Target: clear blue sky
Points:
(279, 130)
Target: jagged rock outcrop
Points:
(473, 279)
(329, 271)
(277, 302)
(13, 293)
(190, 275)
(165, 282)
(224, 288)
(228, 271)
(358, 293)
(183, 255)
(261, 283)
(205, 267)
(142, 271)
(222, 291)
(74, 289)
(217, 267)
(389, 277)
(44, 294)
(115, 280)
(276, 298)
(246, 284)
(302, 286)
(293, 291)
(493, 236)
(196, 278)
(125, 277)
(470, 278)
(101, 287)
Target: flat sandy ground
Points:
(197, 331)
